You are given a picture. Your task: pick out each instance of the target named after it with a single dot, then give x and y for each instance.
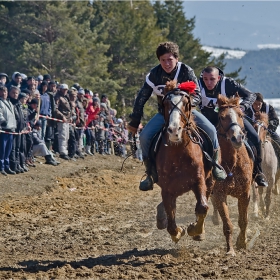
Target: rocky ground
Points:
(88, 220)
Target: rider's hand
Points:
(132, 129)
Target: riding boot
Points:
(218, 171)
(257, 172)
(148, 183)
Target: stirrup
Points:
(147, 184)
(219, 173)
(261, 180)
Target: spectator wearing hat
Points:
(4, 79)
(39, 146)
(23, 81)
(16, 80)
(39, 80)
(76, 86)
(29, 82)
(63, 112)
(8, 124)
(45, 107)
(47, 78)
(15, 163)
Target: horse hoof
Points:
(194, 231)
(215, 220)
(199, 237)
(275, 191)
(180, 233)
(231, 253)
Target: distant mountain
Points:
(261, 67)
(230, 54)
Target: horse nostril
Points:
(180, 128)
(233, 139)
(243, 137)
(169, 130)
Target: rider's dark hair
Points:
(259, 97)
(210, 69)
(167, 47)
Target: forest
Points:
(106, 46)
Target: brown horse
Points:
(269, 166)
(238, 165)
(181, 165)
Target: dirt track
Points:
(89, 220)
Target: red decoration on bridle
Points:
(188, 87)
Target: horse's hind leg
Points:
(243, 203)
(262, 203)
(267, 200)
(255, 192)
(275, 189)
(169, 202)
(215, 217)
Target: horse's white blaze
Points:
(174, 119)
(237, 132)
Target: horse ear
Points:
(169, 86)
(221, 100)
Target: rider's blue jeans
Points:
(157, 122)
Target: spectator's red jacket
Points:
(91, 112)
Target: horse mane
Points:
(263, 117)
(170, 85)
(232, 102)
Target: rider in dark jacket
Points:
(212, 82)
(168, 69)
(273, 121)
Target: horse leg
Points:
(267, 200)
(243, 203)
(262, 204)
(169, 202)
(161, 217)
(215, 217)
(221, 204)
(197, 229)
(255, 200)
(275, 189)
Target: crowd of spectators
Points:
(42, 117)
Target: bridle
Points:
(223, 107)
(183, 94)
(192, 133)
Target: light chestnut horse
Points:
(269, 166)
(180, 163)
(239, 167)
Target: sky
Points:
(235, 24)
